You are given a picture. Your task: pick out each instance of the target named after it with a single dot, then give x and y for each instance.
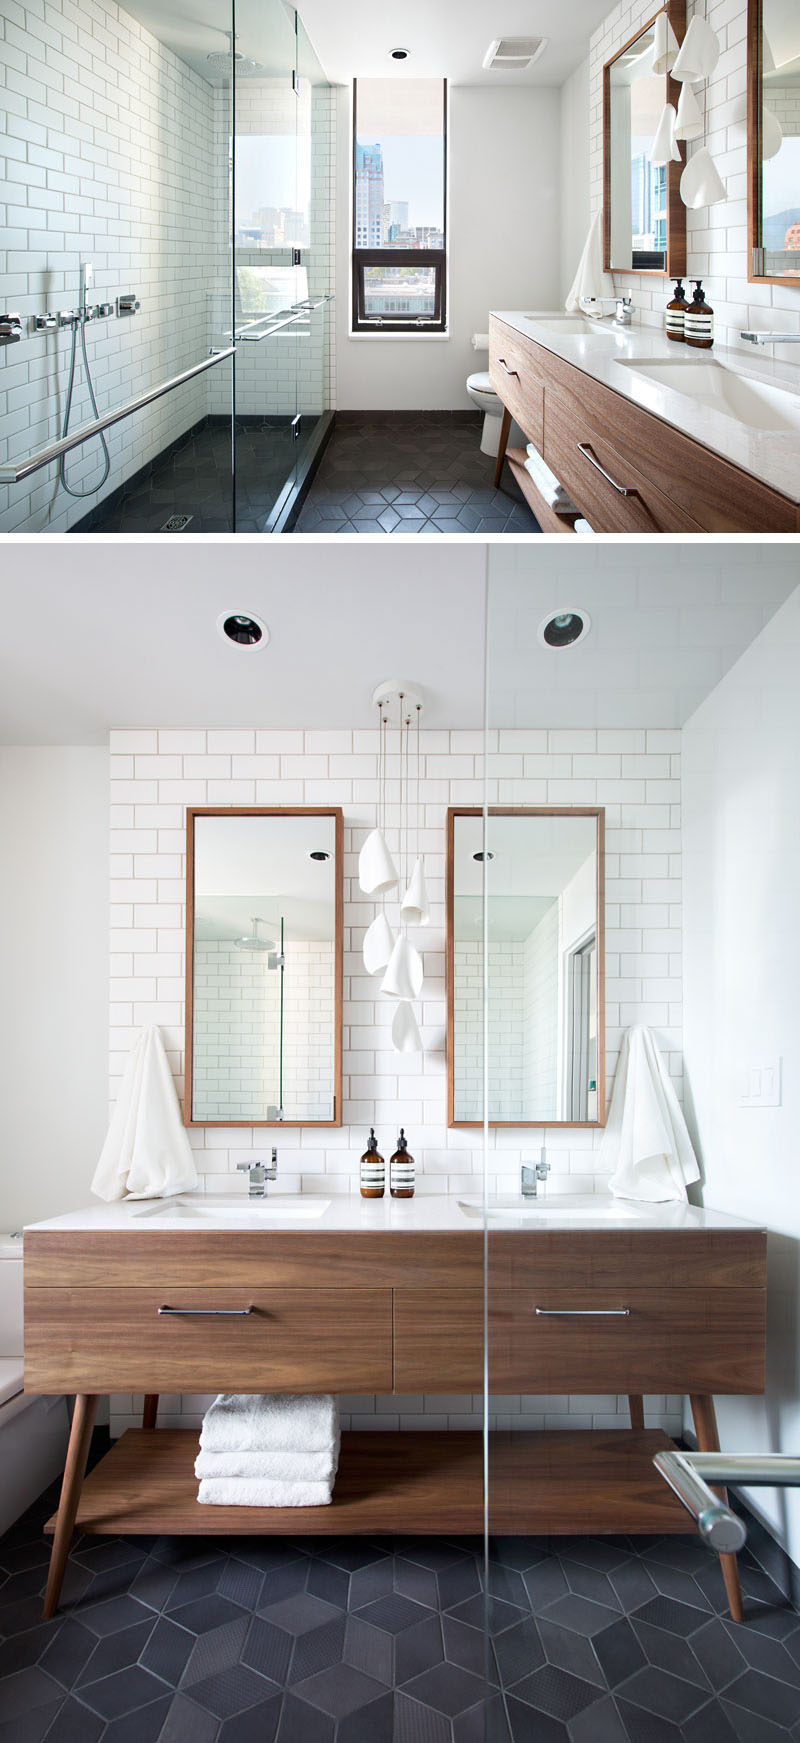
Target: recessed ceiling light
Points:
(318, 853)
(398, 54)
(482, 856)
(564, 629)
(243, 629)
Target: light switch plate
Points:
(759, 1086)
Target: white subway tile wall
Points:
(716, 235)
(155, 774)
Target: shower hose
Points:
(62, 469)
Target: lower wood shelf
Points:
(549, 521)
(540, 1484)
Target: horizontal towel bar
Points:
(689, 1475)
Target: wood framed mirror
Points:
(545, 932)
(644, 215)
(264, 934)
(773, 142)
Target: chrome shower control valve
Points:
(10, 329)
(128, 304)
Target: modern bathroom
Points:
(379, 273)
(397, 1037)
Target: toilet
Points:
(33, 1431)
(482, 394)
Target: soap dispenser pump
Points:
(700, 320)
(373, 1170)
(675, 314)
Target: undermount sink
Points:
(586, 324)
(240, 1211)
(757, 404)
(572, 1209)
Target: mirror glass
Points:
(545, 948)
(778, 157)
(263, 970)
(636, 190)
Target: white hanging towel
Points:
(645, 1140)
(591, 278)
(147, 1153)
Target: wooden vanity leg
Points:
(77, 1453)
(636, 1408)
(150, 1410)
(705, 1424)
(505, 429)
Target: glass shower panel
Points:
(118, 266)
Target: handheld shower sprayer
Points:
(84, 315)
(86, 276)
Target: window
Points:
(399, 200)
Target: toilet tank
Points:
(10, 1295)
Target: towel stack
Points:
(547, 484)
(268, 1451)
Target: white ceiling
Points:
(448, 38)
(96, 633)
(248, 866)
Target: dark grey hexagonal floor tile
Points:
(710, 1725)
(582, 1615)
(73, 1723)
(676, 1617)
(672, 1652)
(659, 1692)
(144, 1726)
(556, 1692)
(230, 1691)
(115, 1651)
(529, 1725)
(619, 1652)
(764, 1653)
(257, 1724)
(544, 1584)
(114, 1614)
(570, 1651)
(373, 1723)
(394, 1613)
(418, 1649)
(27, 1689)
(268, 1650)
(643, 1727)
(765, 1697)
(339, 1690)
(187, 1723)
(122, 1693)
(26, 1648)
(215, 1650)
(167, 1650)
(632, 1584)
(370, 1650)
(415, 1723)
(318, 1650)
(299, 1612)
(447, 1688)
(600, 1723)
(518, 1651)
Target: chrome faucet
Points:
(529, 1177)
(622, 306)
(771, 338)
(259, 1174)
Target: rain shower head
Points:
(220, 60)
(253, 940)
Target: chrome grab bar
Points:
(582, 1312)
(207, 1312)
(12, 473)
(689, 1475)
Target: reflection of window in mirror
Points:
(780, 139)
(645, 227)
(544, 946)
(263, 952)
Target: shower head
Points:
(220, 61)
(253, 940)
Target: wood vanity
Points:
(626, 470)
(393, 1311)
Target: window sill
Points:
(399, 338)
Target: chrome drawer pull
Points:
(508, 371)
(586, 450)
(208, 1312)
(582, 1312)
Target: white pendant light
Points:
(403, 977)
(415, 906)
(664, 149)
(698, 53)
(689, 122)
(378, 944)
(771, 135)
(376, 868)
(701, 183)
(406, 1037)
(665, 44)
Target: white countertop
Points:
(428, 1212)
(773, 456)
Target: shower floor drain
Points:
(177, 523)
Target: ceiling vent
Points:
(513, 53)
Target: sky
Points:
(412, 170)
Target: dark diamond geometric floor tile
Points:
(29, 1648)
(230, 1691)
(373, 1723)
(619, 1652)
(643, 1727)
(370, 1650)
(677, 1618)
(299, 1613)
(671, 1652)
(186, 1723)
(116, 1651)
(143, 1726)
(30, 1727)
(414, 1723)
(764, 1653)
(257, 1725)
(710, 1725)
(122, 1693)
(215, 1651)
(447, 1688)
(394, 1613)
(765, 1696)
(632, 1584)
(300, 1723)
(752, 1727)
(518, 1651)
(418, 1649)
(501, 1615)
(318, 1650)
(114, 1614)
(26, 1689)
(268, 1650)
(530, 1725)
(717, 1653)
(570, 1651)
(600, 1723)
(583, 1615)
(556, 1692)
(669, 1697)
(73, 1723)
(339, 1690)
(544, 1584)
(465, 1646)
(168, 1650)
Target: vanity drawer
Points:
(623, 1339)
(515, 377)
(293, 1340)
(438, 1340)
(597, 474)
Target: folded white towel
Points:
(547, 484)
(273, 1463)
(582, 526)
(147, 1153)
(591, 278)
(646, 1140)
(254, 1422)
(260, 1492)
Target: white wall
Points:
(716, 235)
(54, 989)
(741, 785)
(575, 201)
(503, 252)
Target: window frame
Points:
(361, 258)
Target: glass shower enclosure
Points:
(167, 298)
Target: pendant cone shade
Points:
(378, 944)
(406, 1037)
(403, 977)
(664, 149)
(415, 905)
(376, 868)
(698, 53)
(665, 45)
(701, 183)
(689, 123)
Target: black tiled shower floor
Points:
(194, 478)
(411, 472)
(182, 1640)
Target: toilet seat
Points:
(480, 383)
(10, 1377)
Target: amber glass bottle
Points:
(699, 320)
(675, 315)
(373, 1170)
(402, 1168)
